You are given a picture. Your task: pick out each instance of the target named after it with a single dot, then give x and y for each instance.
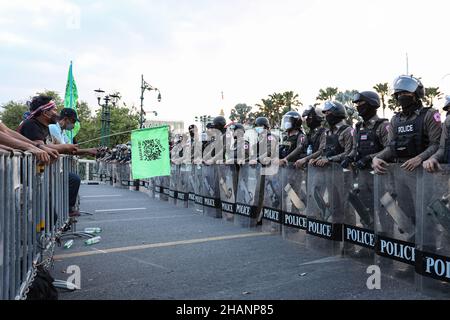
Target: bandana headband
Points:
(42, 108)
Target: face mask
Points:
(259, 130)
(312, 123)
(331, 119)
(70, 126)
(407, 103)
(366, 112)
(287, 125)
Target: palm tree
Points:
(383, 90)
(328, 94)
(432, 93)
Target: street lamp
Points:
(203, 120)
(146, 86)
(105, 116)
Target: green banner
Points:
(150, 154)
(70, 101)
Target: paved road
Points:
(153, 250)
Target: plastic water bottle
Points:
(309, 151)
(92, 230)
(68, 244)
(94, 240)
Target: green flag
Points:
(70, 101)
(150, 152)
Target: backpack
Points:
(42, 287)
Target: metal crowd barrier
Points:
(399, 221)
(33, 214)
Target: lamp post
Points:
(146, 86)
(203, 120)
(105, 116)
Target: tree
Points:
(432, 93)
(240, 112)
(346, 98)
(327, 94)
(12, 114)
(277, 105)
(383, 90)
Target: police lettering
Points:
(227, 207)
(198, 199)
(244, 210)
(192, 196)
(319, 229)
(294, 220)
(405, 129)
(271, 214)
(210, 202)
(181, 196)
(398, 250)
(359, 236)
(438, 267)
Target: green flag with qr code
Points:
(150, 152)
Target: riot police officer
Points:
(314, 121)
(214, 149)
(236, 145)
(338, 139)
(443, 153)
(371, 135)
(416, 130)
(263, 148)
(294, 144)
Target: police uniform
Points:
(370, 138)
(417, 134)
(294, 147)
(337, 142)
(443, 153)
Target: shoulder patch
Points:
(270, 138)
(437, 117)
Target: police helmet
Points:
(409, 84)
(311, 110)
(291, 120)
(262, 122)
(370, 97)
(447, 103)
(336, 109)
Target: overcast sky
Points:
(193, 50)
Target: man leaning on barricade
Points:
(36, 128)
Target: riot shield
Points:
(158, 188)
(173, 184)
(182, 186)
(271, 209)
(433, 233)
(395, 207)
(190, 170)
(198, 188)
(325, 210)
(211, 196)
(249, 196)
(166, 188)
(148, 187)
(294, 201)
(116, 174)
(359, 235)
(228, 177)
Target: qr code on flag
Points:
(150, 150)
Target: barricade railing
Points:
(33, 214)
(399, 221)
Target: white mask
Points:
(259, 130)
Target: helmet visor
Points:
(329, 106)
(405, 83)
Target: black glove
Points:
(363, 163)
(346, 162)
